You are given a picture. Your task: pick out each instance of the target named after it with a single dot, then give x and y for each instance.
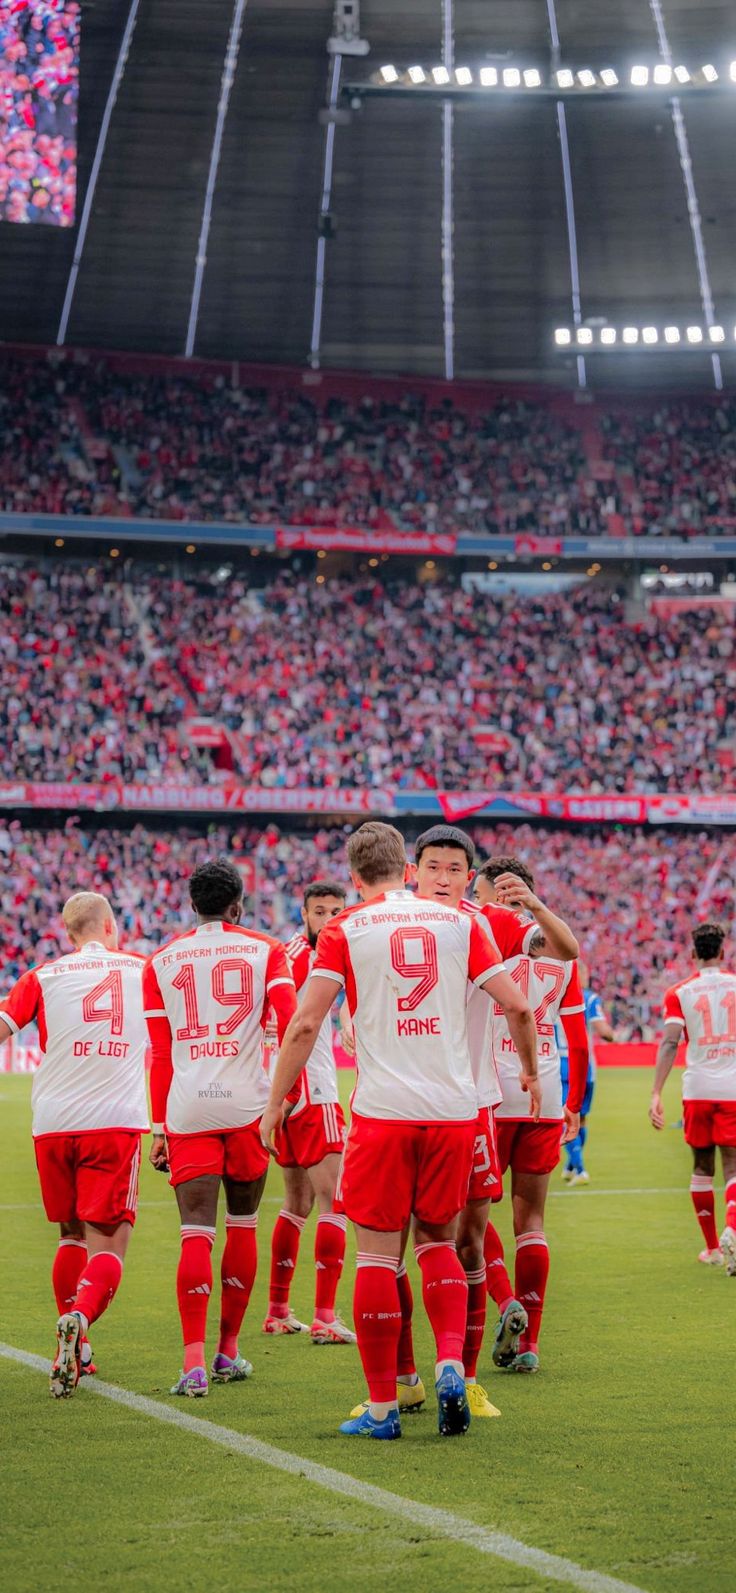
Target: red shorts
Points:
(391, 1171)
(310, 1135)
(485, 1178)
(528, 1147)
(91, 1176)
(236, 1153)
(709, 1123)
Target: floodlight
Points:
(417, 74)
(463, 76)
(695, 334)
(609, 77)
(532, 77)
(563, 336)
(672, 334)
(608, 335)
(586, 78)
(640, 76)
(662, 75)
(584, 334)
(511, 77)
(710, 74)
(682, 74)
(440, 75)
(489, 76)
(649, 334)
(630, 334)
(389, 74)
(716, 334)
(565, 78)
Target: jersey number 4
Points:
(240, 998)
(104, 1003)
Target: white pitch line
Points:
(442, 1523)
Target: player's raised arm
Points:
(507, 882)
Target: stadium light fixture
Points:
(532, 78)
(662, 75)
(511, 77)
(586, 78)
(440, 75)
(694, 334)
(710, 74)
(682, 74)
(389, 74)
(630, 334)
(417, 74)
(584, 335)
(489, 76)
(608, 336)
(563, 336)
(716, 334)
(649, 334)
(565, 78)
(609, 77)
(639, 76)
(672, 334)
(463, 76)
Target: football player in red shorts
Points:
(702, 1010)
(404, 964)
(309, 1148)
(207, 994)
(89, 1112)
(531, 1150)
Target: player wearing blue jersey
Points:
(598, 1028)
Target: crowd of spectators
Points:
(39, 71)
(631, 895)
(91, 439)
(359, 681)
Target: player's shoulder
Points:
(681, 985)
(296, 946)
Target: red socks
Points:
(406, 1365)
(532, 1272)
(377, 1316)
(69, 1263)
(476, 1323)
(704, 1201)
(445, 1295)
(98, 1285)
(193, 1289)
(284, 1251)
(329, 1255)
(238, 1271)
(731, 1204)
(498, 1281)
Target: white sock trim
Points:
(290, 1216)
(250, 1221)
(77, 1244)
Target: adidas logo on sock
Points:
(202, 1288)
(233, 1283)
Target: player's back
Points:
(705, 1005)
(213, 984)
(552, 989)
(89, 1010)
(406, 962)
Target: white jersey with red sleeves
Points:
(553, 990)
(89, 1011)
(405, 963)
(705, 1008)
(213, 985)
(319, 1078)
(512, 934)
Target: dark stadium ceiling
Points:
(383, 305)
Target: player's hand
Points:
(347, 1033)
(271, 1121)
(572, 1125)
(656, 1111)
(158, 1154)
(513, 892)
(532, 1088)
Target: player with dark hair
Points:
(309, 1148)
(207, 994)
(702, 1010)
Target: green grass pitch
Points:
(617, 1456)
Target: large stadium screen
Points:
(39, 85)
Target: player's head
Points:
(485, 879)
(216, 892)
(323, 899)
(88, 916)
(444, 863)
(708, 942)
(377, 858)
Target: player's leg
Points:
(238, 1272)
(71, 1254)
(329, 1252)
(528, 1196)
(410, 1389)
(376, 1186)
(512, 1318)
(701, 1190)
(728, 1237)
(573, 1149)
(444, 1161)
(287, 1232)
(197, 1201)
(472, 1225)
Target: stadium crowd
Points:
(631, 895)
(39, 54)
(358, 681)
(180, 447)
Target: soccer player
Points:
(207, 994)
(702, 1010)
(444, 858)
(89, 1112)
(404, 964)
(310, 1146)
(598, 1026)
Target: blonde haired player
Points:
(89, 1112)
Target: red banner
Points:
(349, 540)
(525, 543)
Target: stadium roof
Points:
(383, 304)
